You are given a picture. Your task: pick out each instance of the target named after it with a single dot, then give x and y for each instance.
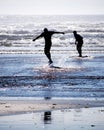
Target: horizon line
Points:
(50, 14)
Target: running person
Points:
(48, 43)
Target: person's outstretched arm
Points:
(60, 32)
(37, 37)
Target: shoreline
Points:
(21, 106)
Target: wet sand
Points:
(17, 106)
(51, 114)
(74, 119)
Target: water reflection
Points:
(47, 85)
(47, 117)
(67, 119)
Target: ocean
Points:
(23, 66)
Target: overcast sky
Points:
(35, 7)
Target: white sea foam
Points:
(18, 31)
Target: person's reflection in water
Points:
(47, 117)
(47, 84)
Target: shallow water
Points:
(74, 119)
(30, 76)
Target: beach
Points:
(67, 95)
(20, 106)
(40, 97)
(51, 114)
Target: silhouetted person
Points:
(78, 42)
(48, 43)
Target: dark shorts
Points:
(80, 44)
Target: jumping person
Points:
(78, 42)
(48, 43)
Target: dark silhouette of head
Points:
(74, 32)
(45, 30)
